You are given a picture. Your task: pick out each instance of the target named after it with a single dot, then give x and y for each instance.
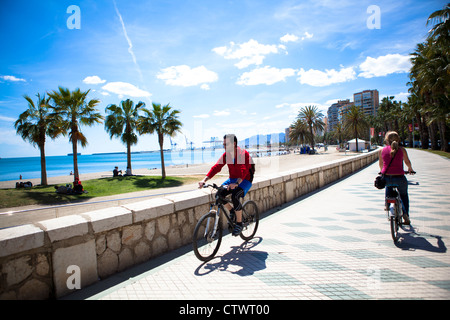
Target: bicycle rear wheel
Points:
(206, 241)
(250, 220)
(394, 224)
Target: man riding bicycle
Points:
(241, 170)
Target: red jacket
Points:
(239, 167)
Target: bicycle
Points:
(208, 232)
(394, 213)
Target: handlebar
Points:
(406, 172)
(211, 185)
(214, 186)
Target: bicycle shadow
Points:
(240, 260)
(413, 240)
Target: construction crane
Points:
(173, 145)
(188, 143)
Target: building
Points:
(287, 131)
(368, 100)
(333, 116)
(336, 113)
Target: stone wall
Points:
(53, 258)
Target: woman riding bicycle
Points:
(395, 155)
(241, 170)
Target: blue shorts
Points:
(245, 184)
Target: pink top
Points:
(396, 167)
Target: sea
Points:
(30, 167)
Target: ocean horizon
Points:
(30, 167)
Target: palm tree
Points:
(122, 122)
(162, 120)
(338, 134)
(430, 76)
(441, 30)
(74, 111)
(34, 125)
(313, 118)
(355, 122)
(298, 132)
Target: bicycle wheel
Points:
(250, 220)
(394, 224)
(205, 242)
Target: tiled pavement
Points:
(334, 244)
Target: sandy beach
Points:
(265, 166)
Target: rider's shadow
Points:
(417, 241)
(240, 260)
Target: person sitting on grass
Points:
(117, 172)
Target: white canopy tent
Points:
(352, 145)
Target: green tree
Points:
(298, 132)
(162, 120)
(441, 30)
(73, 111)
(338, 133)
(355, 122)
(35, 124)
(122, 122)
(313, 118)
(430, 77)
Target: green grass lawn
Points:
(96, 188)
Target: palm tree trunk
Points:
(423, 133)
(129, 156)
(433, 136)
(75, 152)
(75, 159)
(161, 144)
(443, 133)
(43, 165)
(312, 136)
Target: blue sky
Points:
(243, 67)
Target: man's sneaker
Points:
(237, 230)
(406, 220)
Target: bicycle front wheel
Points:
(250, 220)
(207, 236)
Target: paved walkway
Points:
(334, 244)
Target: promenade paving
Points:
(333, 244)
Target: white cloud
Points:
(184, 76)
(221, 113)
(125, 89)
(319, 78)
(289, 38)
(202, 116)
(267, 75)
(250, 52)
(384, 65)
(93, 80)
(402, 96)
(307, 35)
(12, 78)
(130, 44)
(7, 119)
(282, 105)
